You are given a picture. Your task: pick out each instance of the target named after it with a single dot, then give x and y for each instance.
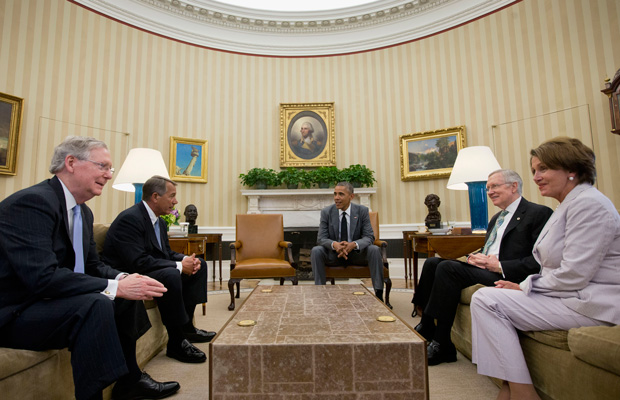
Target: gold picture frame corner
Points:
(195, 145)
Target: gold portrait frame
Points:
(183, 152)
(316, 150)
(11, 108)
(416, 153)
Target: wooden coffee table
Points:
(323, 341)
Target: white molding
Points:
(216, 25)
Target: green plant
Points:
(260, 177)
(358, 175)
(324, 176)
(293, 177)
(172, 218)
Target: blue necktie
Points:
(493, 235)
(157, 233)
(77, 239)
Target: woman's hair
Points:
(568, 154)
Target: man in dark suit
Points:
(346, 237)
(507, 254)
(137, 239)
(54, 291)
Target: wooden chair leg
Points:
(332, 280)
(388, 288)
(281, 281)
(238, 287)
(295, 280)
(231, 289)
(204, 308)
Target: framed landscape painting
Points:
(10, 125)
(188, 160)
(431, 154)
(307, 136)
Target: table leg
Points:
(405, 257)
(220, 245)
(415, 269)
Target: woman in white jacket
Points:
(579, 282)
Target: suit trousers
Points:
(439, 290)
(183, 292)
(370, 256)
(83, 323)
(496, 316)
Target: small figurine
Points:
(191, 214)
(433, 219)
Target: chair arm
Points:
(289, 251)
(233, 254)
(383, 246)
(285, 244)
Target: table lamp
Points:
(470, 172)
(139, 166)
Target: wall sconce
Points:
(140, 165)
(470, 172)
(612, 90)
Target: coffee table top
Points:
(314, 314)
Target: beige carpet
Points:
(457, 380)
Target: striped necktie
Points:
(157, 233)
(77, 239)
(493, 235)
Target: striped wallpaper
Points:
(513, 78)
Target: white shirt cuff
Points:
(111, 289)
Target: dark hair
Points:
(568, 154)
(155, 184)
(346, 185)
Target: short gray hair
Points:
(155, 184)
(347, 186)
(77, 146)
(310, 127)
(510, 176)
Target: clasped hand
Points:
(344, 248)
(139, 287)
(483, 261)
(190, 264)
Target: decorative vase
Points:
(356, 184)
(261, 185)
(323, 185)
(292, 185)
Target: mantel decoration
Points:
(10, 125)
(307, 136)
(431, 154)
(323, 177)
(188, 160)
(612, 90)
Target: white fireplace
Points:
(301, 207)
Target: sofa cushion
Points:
(468, 292)
(557, 339)
(14, 361)
(99, 232)
(597, 345)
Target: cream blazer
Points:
(579, 252)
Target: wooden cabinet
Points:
(197, 244)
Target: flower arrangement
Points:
(172, 218)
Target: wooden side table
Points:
(446, 246)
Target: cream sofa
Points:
(582, 363)
(47, 374)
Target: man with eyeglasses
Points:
(54, 290)
(507, 254)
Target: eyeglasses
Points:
(102, 167)
(494, 187)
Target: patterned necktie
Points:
(77, 239)
(344, 231)
(157, 233)
(493, 235)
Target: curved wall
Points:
(512, 78)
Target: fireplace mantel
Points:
(300, 207)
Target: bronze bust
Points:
(191, 214)
(433, 219)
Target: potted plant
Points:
(292, 177)
(358, 175)
(260, 177)
(171, 219)
(325, 176)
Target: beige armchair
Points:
(259, 252)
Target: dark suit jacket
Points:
(36, 254)
(131, 244)
(515, 250)
(359, 226)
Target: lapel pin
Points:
(518, 218)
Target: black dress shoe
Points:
(438, 353)
(427, 332)
(199, 336)
(186, 352)
(145, 388)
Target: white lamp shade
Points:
(139, 166)
(473, 164)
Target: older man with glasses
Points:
(507, 254)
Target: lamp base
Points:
(138, 196)
(478, 210)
